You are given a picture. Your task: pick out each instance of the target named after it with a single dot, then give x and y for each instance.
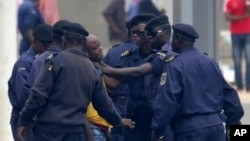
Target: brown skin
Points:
(141, 40)
(39, 47)
(94, 49)
(178, 43)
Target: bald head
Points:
(94, 48)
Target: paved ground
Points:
(245, 99)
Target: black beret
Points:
(141, 18)
(75, 28)
(58, 27)
(186, 31)
(43, 33)
(157, 21)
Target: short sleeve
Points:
(227, 8)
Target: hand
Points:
(20, 131)
(128, 122)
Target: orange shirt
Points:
(94, 117)
(237, 7)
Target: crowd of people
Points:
(148, 87)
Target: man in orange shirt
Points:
(237, 13)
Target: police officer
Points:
(18, 80)
(158, 30)
(137, 108)
(119, 95)
(29, 17)
(188, 97)
(56, 47)
(59, 118)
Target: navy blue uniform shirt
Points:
(192, 94)
(113, 58)
(29, 16)
(39, 61)
(62, 92)
(18, 82)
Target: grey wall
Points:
(88, 13)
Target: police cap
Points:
(43, 33)
(186, 31)
(141, 18)
(157, 21)
(58, 27)
(75, 28)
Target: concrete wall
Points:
(89, 14)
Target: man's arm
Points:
(166, 102)
(230, 17)
(39, 94)
(232, 106)
(126, 73)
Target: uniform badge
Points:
(169, 59)
(50, 68)
(125, 53)
(163, 78)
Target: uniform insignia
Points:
(125, 53)
(169, 59)
(50, 68)
(21, 69)
(50, 57)
(163, 78)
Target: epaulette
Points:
(208, 55)
(116, 45)
(170, 57)
(52, 55)
(127, 52)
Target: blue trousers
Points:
(42, 135)
(97, 133)
(240, 46)
(213, 133)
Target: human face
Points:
(138, 34)
(95, 51)
(156, 37)
(37, 46)
(176, 44)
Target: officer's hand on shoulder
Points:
(128, 122)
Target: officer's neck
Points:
(145, 49)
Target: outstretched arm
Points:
(126, 73)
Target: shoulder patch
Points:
(171, 58)
(127, 52)
(50, 57)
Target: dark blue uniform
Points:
(29, 17)
(39, 61)
(138, 106)
(60, 97)
(189, 99)
(119, 96)
(18, 84)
